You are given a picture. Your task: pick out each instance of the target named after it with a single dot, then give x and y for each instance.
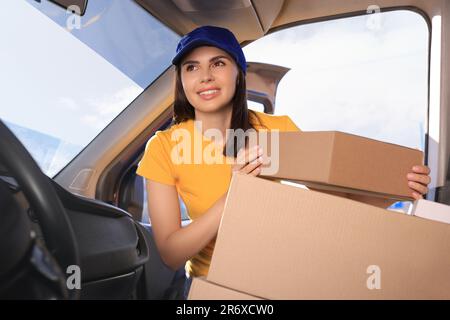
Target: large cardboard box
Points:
(332, 160)
(201, 289)
(431, 210)
(281, 242)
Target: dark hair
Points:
(240, 117)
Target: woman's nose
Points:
(206, 75)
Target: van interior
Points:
(89, 209)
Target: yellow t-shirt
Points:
(198, 183)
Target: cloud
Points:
(106, 108)
(68, 103)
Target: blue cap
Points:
(211, 36)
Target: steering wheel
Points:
(51, 215)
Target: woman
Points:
(210, 96)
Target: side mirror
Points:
(262, 83)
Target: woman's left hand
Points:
(418, 180)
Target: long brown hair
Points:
(240, 117)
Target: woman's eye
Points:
(218, 63)
(190, 67)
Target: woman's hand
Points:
(249, 161)
(418, 180)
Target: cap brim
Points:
(197, 43)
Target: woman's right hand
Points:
(249, 161)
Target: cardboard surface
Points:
(201, 289)
(281, 242)
(344, 162)
(431, 210)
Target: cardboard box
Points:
(431, 210)
(281, 242)
(332, 160)
(201, 289)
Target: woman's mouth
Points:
(209, 94)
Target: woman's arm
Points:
(176, 244)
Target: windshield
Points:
(65, 77)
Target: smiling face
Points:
(208, 76)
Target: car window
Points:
(257, 106)
(146, 213)
(65, 77)
(366, 75)
(351, 77)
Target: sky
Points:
(58, 85)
